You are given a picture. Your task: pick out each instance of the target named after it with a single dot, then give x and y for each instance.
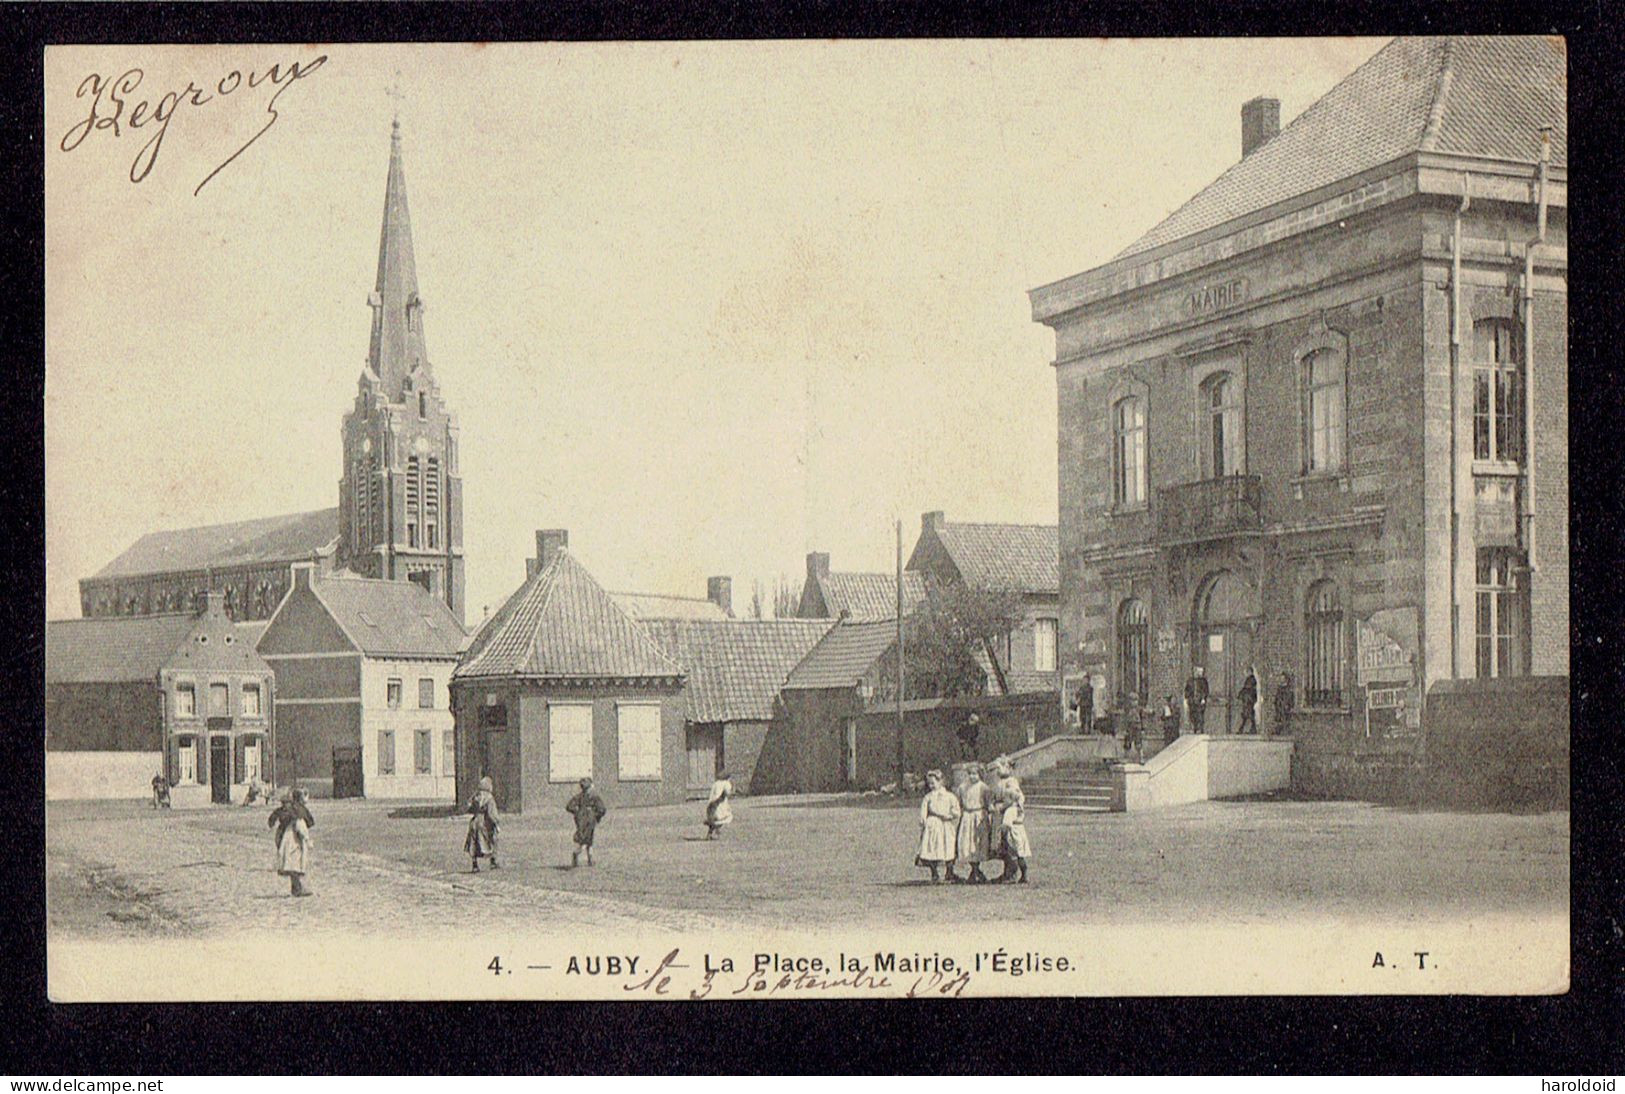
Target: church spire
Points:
(397, 312)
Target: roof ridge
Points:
(244, 520)
(1441, 92)
(315, 591)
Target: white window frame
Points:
(258, 710)
(569, 742)
(251, 761)
(1045, 640)
(185, 760)
(639, 741)
(188, 708)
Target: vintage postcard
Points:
(821, 518)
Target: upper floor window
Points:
(219, 700)
(1222, 451)
(1497, 392)
(1044, 645)
(1323, 638)
(425, 693)
(1128, 452)
(392, 694)
(251, 701)
(1503, 613)
(185, 701)
(1325, 383)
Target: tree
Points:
(786, 599)
(756, 599)
(951, 642)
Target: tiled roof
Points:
(736, 667)
(1020, 558)
(562, 624)
(391, 618)
(869, 596)
(112, 649)
(647, 606)
(289, 538)
(846, 653)
(249, 633)
(1475, 96)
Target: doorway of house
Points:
(494, 762)
(1226, 615)
(347, 779)
(220, 770)
(704, 756)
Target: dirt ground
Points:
(119, 869)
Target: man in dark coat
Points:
(588, 809)
(1247, 700)
(1285, 700)
(1196, 699)
(969, 735)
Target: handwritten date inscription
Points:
(117, 104)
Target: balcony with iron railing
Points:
(1210, 509)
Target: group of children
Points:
(972, 823)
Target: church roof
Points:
(1485, 97)
(397, 348)
(112, 649)
(650, 606)
(293, 537)
(1019, 558)
(391, 618)
(561, 624)
(735, 667)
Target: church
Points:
(400, 507)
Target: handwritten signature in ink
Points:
(113, 106)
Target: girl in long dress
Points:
(1014, 846)
(719, 809)
(292, 821)
(939, 816)
(482, 826)
(974, 840)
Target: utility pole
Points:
(899, 654)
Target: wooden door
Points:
(347, 771)
(494, 762)
(704, 755)
(220, 770)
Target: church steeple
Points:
(397, 311)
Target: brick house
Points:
(560, 683)
(363, 670)
(1315, 421)
(180, 693)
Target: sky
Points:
(708, 306)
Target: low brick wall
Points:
(1007, 724)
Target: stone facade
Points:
(1342, 537)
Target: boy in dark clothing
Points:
(588, 809)
(1247, 700)
(1170, 719)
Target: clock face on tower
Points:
(366, 445)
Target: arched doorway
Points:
(1226, 614)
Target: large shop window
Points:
(1497, 392)
(1128, 452)
(1325, 380)
(1222, 452)
(1323, 637)
(1503, 613)
(1133, 649)
(1044, 645)
(569, 741)
(640, 740)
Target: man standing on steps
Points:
(1196, 699)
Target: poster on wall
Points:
(1386, 649)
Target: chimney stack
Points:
(304, 574)
(720, 591)
(932, 521)
(549, 542)
(214, 602)
(818, 564)
(1260, 120)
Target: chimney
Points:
(303, 574)
(818, 564)
(214, 602)
(549, 542)
(1260, 120)
(932, 521)
(720, 591)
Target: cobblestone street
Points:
(119, 869)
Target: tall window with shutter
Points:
(569, 741)
(639, 731)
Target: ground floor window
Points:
(1323, 640)
(639, 731)
(448, 752)
(1044, 645)
(423, 752)
(185, 760)
(1503, 613)
(569, 741)
(249, 769)
(386, 752)
(1133, 649)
